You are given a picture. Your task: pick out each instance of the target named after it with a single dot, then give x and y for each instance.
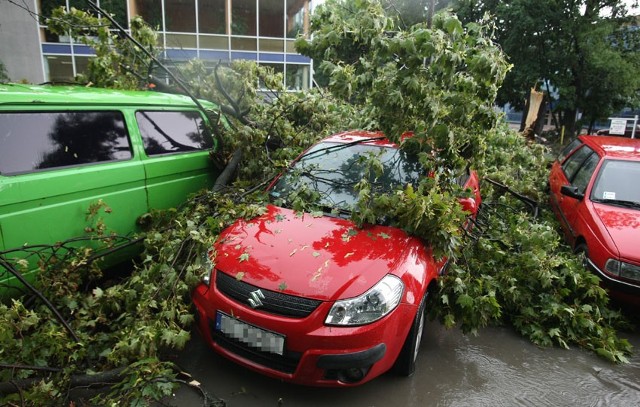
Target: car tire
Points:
(405, 364)
(582, 252)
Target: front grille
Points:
(273, 302)
(286, 363)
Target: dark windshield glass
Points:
(618, 180)
(333, 171)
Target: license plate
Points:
(250, 335)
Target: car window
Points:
(573, 163)
(582, 177)
(617, 179)
(334, 170)
(568, 149)
(166, 132)
(32, 141)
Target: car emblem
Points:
(255, 298)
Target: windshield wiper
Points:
(336, 211)
(340, 146)
(619, 202)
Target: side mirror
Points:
(571, 191)
(469, 205)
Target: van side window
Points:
(31, 141)
(172, 132)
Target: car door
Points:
(577, 172)
(176, 144)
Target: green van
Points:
(66, 148)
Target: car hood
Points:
(623, 225)
(323, 258)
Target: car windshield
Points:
(617, 183)
(333, 169)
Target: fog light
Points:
(353, 374)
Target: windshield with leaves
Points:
(617, 182)
(329, 172)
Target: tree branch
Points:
(34, 290)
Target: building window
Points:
(180, 15)
(82, 64)
(181, 41)
(212, 16)
(296, 17)
(297, 77)
(243, 17)
(59, 67)
(150, 11)
(271, 16)
(117, 8)
(271, 45)
(220, 42)
(243, 44)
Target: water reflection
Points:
(497, 368)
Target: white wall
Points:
(19, 45)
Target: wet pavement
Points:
(496, 368)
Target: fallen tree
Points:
(438, 82)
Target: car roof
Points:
(22, 94)
(613, 147)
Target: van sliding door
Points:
(177, 145)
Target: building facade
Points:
(211, 30)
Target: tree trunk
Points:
(569, 122)
(523, 121)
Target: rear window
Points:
(173, 132)
(32, 141)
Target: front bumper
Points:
(314, 354)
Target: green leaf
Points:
(465, 301)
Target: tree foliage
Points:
(410, 12)
(587, 51)
(517, 271)
(438, 83)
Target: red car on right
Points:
(595, 194)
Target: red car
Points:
(310, 298)
(595, 193)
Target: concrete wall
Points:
(19, 45)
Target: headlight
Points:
(370, 306)
(622, 269)
(206, 263)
